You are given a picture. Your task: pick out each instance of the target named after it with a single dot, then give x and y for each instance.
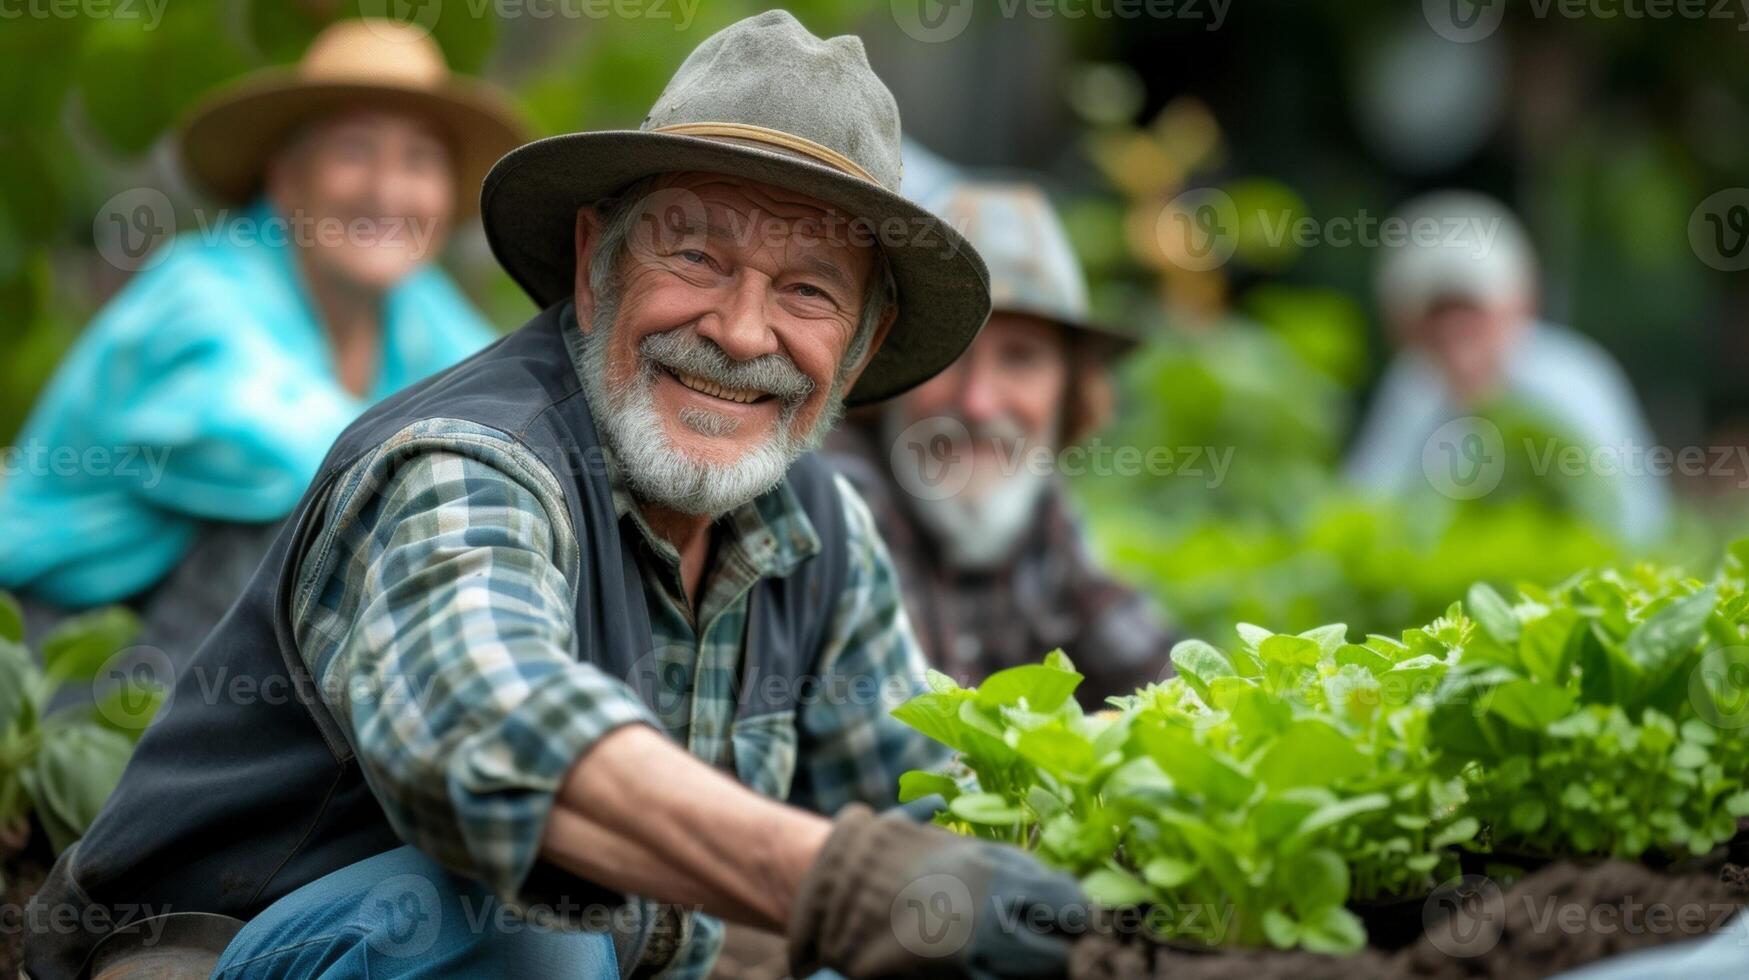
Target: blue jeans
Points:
(400, 914)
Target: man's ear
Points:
(586, 234)
(880, 337)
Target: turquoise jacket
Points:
(205, 391)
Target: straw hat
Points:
(765, 100)
(227, 140)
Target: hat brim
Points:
(227, 141)
(1117, 342)
(530, 200)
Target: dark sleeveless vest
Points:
(231, 802)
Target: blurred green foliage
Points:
(1281, 539)
(91, 101)
(59, 764)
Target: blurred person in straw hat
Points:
(961, 471)
(1459, 298)
(586, 635)
(211, 386)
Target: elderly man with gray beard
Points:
(994, 565)
(580, 643)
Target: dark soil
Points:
(1558, 918)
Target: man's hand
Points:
(888, 897)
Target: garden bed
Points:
(1308, 804)
(1559, 918)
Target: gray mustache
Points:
(684, 351)
(1002, 430)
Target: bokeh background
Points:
(1622, 139)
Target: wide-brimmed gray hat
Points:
(765, 100)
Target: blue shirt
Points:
(206, 390)
(1567, 379)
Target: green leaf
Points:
(1364, 657)
(1737, 804)
(1169, 872)
(1057, 751)
(1528, 816)
(1058, 660)
(1199, 663)
(1115, 889)
(77, 648)
(1459, 831)
(1253, 635)
(1044, 688)
(917, 784)
(1315, 879)
(1334, 932)
(75, 771)
(1332, 814)
(989, 809)
(1328, 638)
(1528, 704)
(1310, 753)
(936, 715)
(939, 682)
(11, 619)
(1281, 930)
(18, 676)
(1689, 756)
(1493, 613)
(1193, 767)
(1544, 644)
(1291, 651)
(1660, 643)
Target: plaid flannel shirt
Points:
(435, 611)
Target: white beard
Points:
(657, 471)
(976, 532)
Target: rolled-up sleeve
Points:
(435, 611)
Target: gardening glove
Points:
(889, 897)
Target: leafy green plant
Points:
(1258, 795)
(1601, 717)
(1244, 802)
(62, 763)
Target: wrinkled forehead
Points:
(692, 209)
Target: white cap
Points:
(1453, 245)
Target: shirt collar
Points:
(772, 531)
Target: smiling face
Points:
(1007, 391)
(1005, 396)
(725, 325)
(370, 195)
(1470, 342)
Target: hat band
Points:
(759, 134)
